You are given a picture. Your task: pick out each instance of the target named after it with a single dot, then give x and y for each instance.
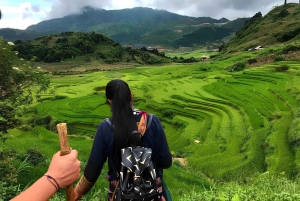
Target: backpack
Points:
(137, 173)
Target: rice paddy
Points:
(246, 122)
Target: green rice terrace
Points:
(227, 126)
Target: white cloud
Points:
(20, 14)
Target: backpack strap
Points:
(108, 121)
(149, 120)
(144, 123)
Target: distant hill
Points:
(9, 34)
(210, 34)
(132, 26)
(280, 25)
(85, 47)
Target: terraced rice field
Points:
(246, 122)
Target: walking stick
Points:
(64, 150)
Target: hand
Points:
(64, 169)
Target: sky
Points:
(20, 14)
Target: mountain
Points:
(92, 19)
(281, 25)
(134, 26)
(129, 26)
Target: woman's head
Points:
(119, 96)
(118, 89)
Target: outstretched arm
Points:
(63, 169)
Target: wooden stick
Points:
(64, 150)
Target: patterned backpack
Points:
(137, 174)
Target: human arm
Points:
(64, 169)
(164, 156)
(98, 156)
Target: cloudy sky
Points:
(21, 13)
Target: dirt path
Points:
(181, 160)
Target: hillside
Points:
(75, 48)
(131, 26)
(279, 26)
(212, 36)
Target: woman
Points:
(109, 140)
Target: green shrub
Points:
(239, 66)
(289, 48)
(35, 156)
(278, 58)
(7, 191)
(286, 36)
(282, 68)
(283, 13)
(58, 97)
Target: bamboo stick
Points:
(64, 150)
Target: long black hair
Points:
(123, 120)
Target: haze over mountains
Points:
(137, 25)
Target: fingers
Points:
(74, 153)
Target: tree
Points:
(16, 83)
(284, 2)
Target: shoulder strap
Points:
(149, 121)
(150, 116)
(108, 121)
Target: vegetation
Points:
(87, 47)
(280, 25)
(16, 94)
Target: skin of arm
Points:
(64, 169)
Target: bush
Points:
(35, 156)
(237, 67)
(278, 58)
(7, 191)
(282, 68)
(290, 48)
(283, 13)
(286, 36)
(58, 97)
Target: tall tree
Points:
(17, 80)
(284, 2)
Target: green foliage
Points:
(289, 48)
(9, 186)
(34, 156)
(239, 66)
(267, 188)
(287, 35)
(90, 47)
(282, 68)
(14, 86)
(7, 192)
(278, 58)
